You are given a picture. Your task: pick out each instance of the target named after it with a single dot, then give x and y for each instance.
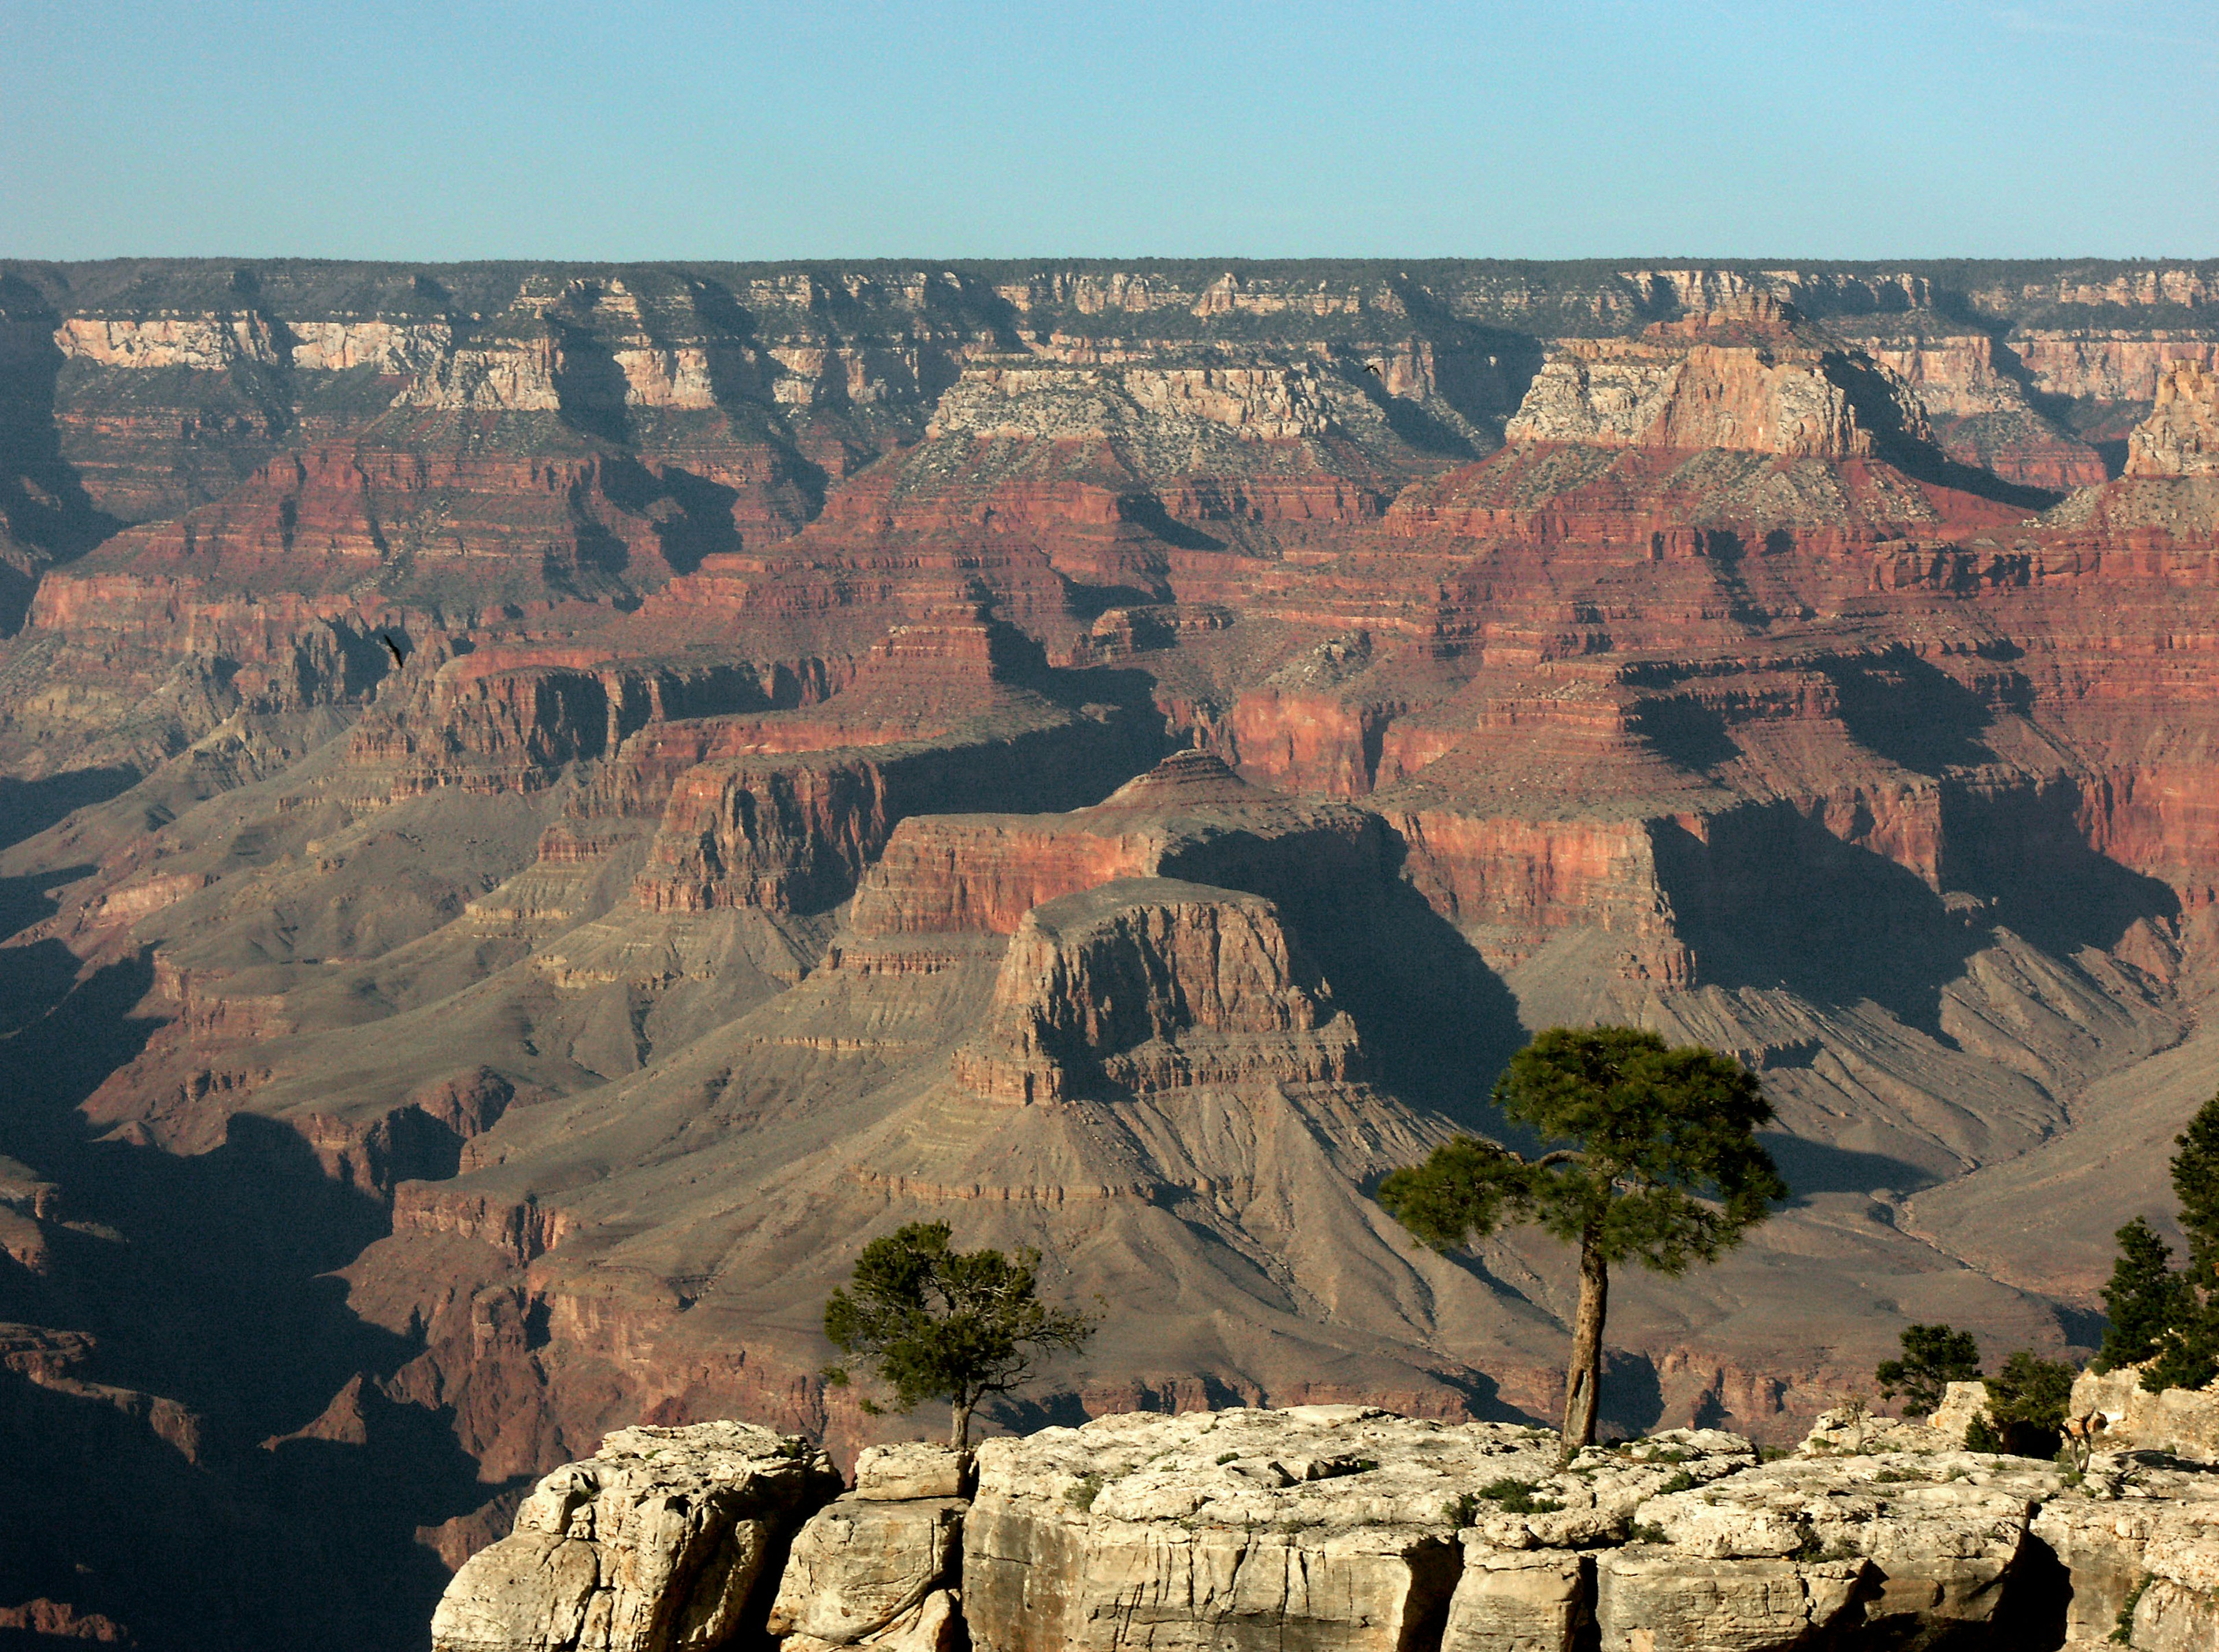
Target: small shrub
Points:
(1980, 1435)
(1643, 1531)
(1681, 1482)
(1082, 1495)
(2122, 1631)
(2027, 1398)
(1516, 1497)
(1461, 1509)
(1893, 1477)
(1224, 1457)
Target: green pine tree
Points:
(2145, 1300)
(1664, 1170)
(936, 1323)
(1934, 1357)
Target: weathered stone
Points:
(653, 1544)
(861, 1570)
(912, 1468)
(1961, 1403)
(1321, 1525)
(1942, 1531)
(1510, 1601)
(1648, 1599)
(2142, 1537)
(2181, 1421)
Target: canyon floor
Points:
(545, 805)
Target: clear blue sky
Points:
(455, 130)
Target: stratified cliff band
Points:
(546, 806)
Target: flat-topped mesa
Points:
(2181, 436)
(951, 646)
(1190, 817)
(1149, 984)
(1752, 376)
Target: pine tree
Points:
(1934, 1357)
(2145, 1300)
(1665, 1171)
(936, 1323)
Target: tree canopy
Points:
(935, 1323)
(2164, 1320)
(1934, 1357)
(1663, 1168)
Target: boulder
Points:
(1961, 1403)
(1509, 1600)
(912, 1468)
(655, 1544)
(1652, 1600)
(1935, 1538)
(864, 1570)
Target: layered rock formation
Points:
(2181, 436)
(569, 799)
(1747, 377)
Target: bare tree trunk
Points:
(1583, 1380)
(959, 1433)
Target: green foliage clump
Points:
(1081, 1496)
(936, 1323)
(2122, 1628)
(1934, 1357)
(1517, 1497)
(2163, 1319)
(1665, 1170)
(2145, 1300)
(2027, 1399)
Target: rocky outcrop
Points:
(656, 1543)
(1752, 377)
(2181, 436)
(1344, 1526)
(1260, 401)
(2182, 1421)
(1150, 983)
(2142, 1554)
(880, 1567)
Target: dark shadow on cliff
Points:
(206, 1280)
(1436, 1023)
(44, 508)
(589, 386)
(1874, 394)
(1820, 1167)
(2023, 850)
(29, 807)
(1773, 899)
(1911, 712)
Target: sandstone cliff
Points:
(1348, 1526)
(2181, 436)
(1753, 376)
